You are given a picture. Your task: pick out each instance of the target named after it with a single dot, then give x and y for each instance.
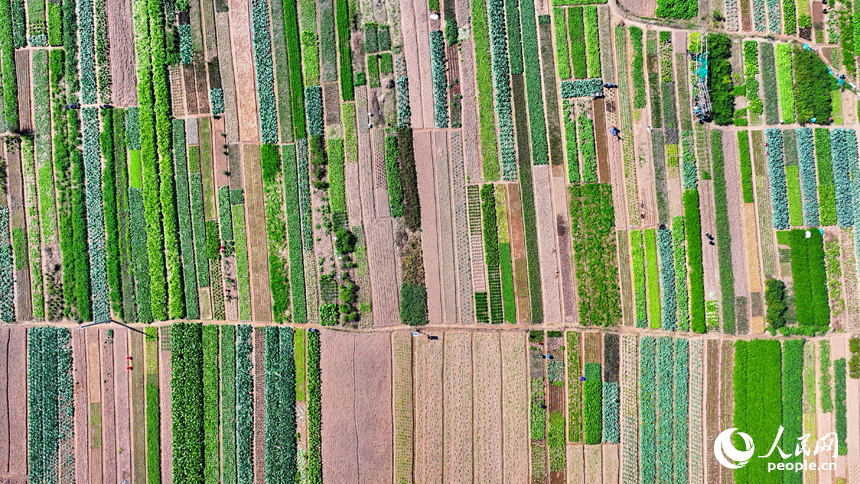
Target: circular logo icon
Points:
(725, 451)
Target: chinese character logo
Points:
(725, 451)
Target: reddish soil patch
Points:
(365, 155)
(599, 118)
(372, 366)
(331, 101)
(259, 372)
(428, 378)
(202, 86)
(458, 413)
(109, 451)
(383, 275)
(515, 221)
(4, 401)
(93, 390)
(243, 62)
(486, 371)
(546, 244)
(444, 220)
(165, 377)
(121, 403)
(339, 431)
(25, 109)
(429, 225)
(138, 410)
(228, 82)
(469, 113)
(188, 94)
(79, 363)
(353, 194)
(123, 64)
(255, 223)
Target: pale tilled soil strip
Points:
(373, 414)
(138, 410)
(610, 464)
(471, 141)
(339, 430)
(401, 343)
(576, 464)
(752, 259)
(429, 225)
(629, 407)
(712, 424)
(487, 419)
(5, 423)
(410, 51)
(243, 61)
(515, 408)
(565, 258)
(202, 85)
(851, 315)
(461, 229)
(353, 194)
(122, 60)
(109, 427)
(428, 367)
(442, 174)
(177, 91)
(94, 405)
(380, 179)
(165, 376)
(593, 464)
(228, 82)
(727, 366)
(259, 372)
(79, 363)
(476, 243)
(25, 111)
(709, 252)
(735, 210)
(698, 441)
(365, 160)
(17, 401)
(423, 76)
(518, 252)
(383, 275)
(546, 243)
(258, 258)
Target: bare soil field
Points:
(243, 63)
(79, 365)
(469, 112)
(93, 392)
(383, 275)
(429, 224)
(108, 410)
(487, 420)
(353, 194)
(411, 43)
(444, 223)
(593, 464)
(401, 351)
(5, 424)
(518, 252)
(14, 341)
(565, 257)
(365, 155)
(515, 408)
(576, 464)
(640, 8)
(123, 64)
(610, 463)
(547, 244)
(255, 222)
(25, 108)
(735, 210)
(428, 377)
(373, 412)
(458, 410)
(138, 407)
(339, 432)
(228, 81)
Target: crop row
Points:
(276, 229)
(840, 407)
(585, 139)
(592, 400)
(810, 279)
(680, 261)
(751, 71)
(854, 361)
(647, 409)
(49, 399)
(592, 45)
(593, 230)
(785, 84)
(486, 114)
(33, 231)
(652, 274)
(757, 392)
(776, 173)
(244, 405)
(689, 171)
(693, 221)
(667, 279)
(581, 88)
(570, 142)
(826, 187)
(681, 407)
(86, 31)
(280, 440)
(576, 28)
(665, 408)
(491, 250)
(265, 71)
(501, 82)
(813, 85)
(95, 216)
(505, 264)
(210, 412)
(342, 21)
(537, 121)
(637, 67)
(759, 16)
(724, 236)
(792, 399)
(183, 210)
(808, 178)
(574, 387)
(638, 253)
(843, 155)
(186, 386)
(440, 82)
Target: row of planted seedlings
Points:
(212, 407)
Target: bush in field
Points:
(778, 184)
(581, 88)
(685, 9)
(812, 86)
(440, 81)
(720, 78)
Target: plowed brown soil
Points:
(488, 406)
(428, 378)
(93, 391)
(259, 371)
(109, 451)
(4, 401)
(79, 363)
(383, 276)
(372, 364)
(339, 432)
(429, 224)
(122, 57)
(458, 412)
(255, 223)
(243, 64)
